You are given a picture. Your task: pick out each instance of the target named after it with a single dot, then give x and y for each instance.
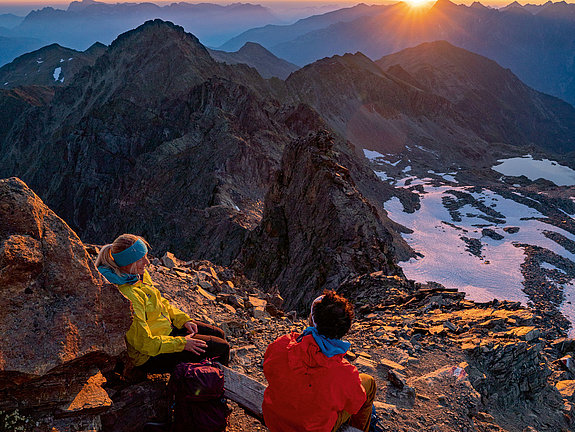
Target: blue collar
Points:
(330, 347)
(112, 277)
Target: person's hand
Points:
(196, 346)
(191, 327)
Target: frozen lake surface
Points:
(536, 169)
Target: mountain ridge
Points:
(500, 35)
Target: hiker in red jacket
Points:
(311, 387)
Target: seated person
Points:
(161, 336)
(311, 387)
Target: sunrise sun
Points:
(417, 3)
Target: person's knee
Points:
(220, 333)
(221, 349)
(368, 383)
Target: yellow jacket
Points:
(153, 317)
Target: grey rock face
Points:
(317, 228)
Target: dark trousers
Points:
(218, 348)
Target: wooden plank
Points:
(348, 428)
(245, 391)
(249, 394)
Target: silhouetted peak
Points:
(95, 47)
(253, 48)
(478, 5)
(79, 5)
(158, 32)
(444, 4)
(151, 27)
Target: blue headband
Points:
(129, 256)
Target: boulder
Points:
(60, 322)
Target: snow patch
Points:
(62, 60)
(39, 61)
(568, 306)
(371, 155)
(383, 176)
(376, 156)
(57, 74)
(436, 236)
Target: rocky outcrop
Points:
(317, 228)
(61, 325)
(440, 362)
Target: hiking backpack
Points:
(198, 390)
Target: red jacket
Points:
(306, 388)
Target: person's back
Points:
(311, 386)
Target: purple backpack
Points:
(198, 390)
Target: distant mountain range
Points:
(89, 21)
(158, 138)
(272, 35)
(535, 41)
(12, 47)
(10, 20)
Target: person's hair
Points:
(333, 315)
(122, 243)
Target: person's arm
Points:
(355, 393)
(178, 317)
(140, 336)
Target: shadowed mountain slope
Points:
(494, 102)
(50, 65)
(155, 138)
(158, 138)
(256, 56)
(466, 103)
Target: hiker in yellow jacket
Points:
(161, 335)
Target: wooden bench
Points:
(249, 394)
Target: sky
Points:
(23, 7)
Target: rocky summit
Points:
(441, 362)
